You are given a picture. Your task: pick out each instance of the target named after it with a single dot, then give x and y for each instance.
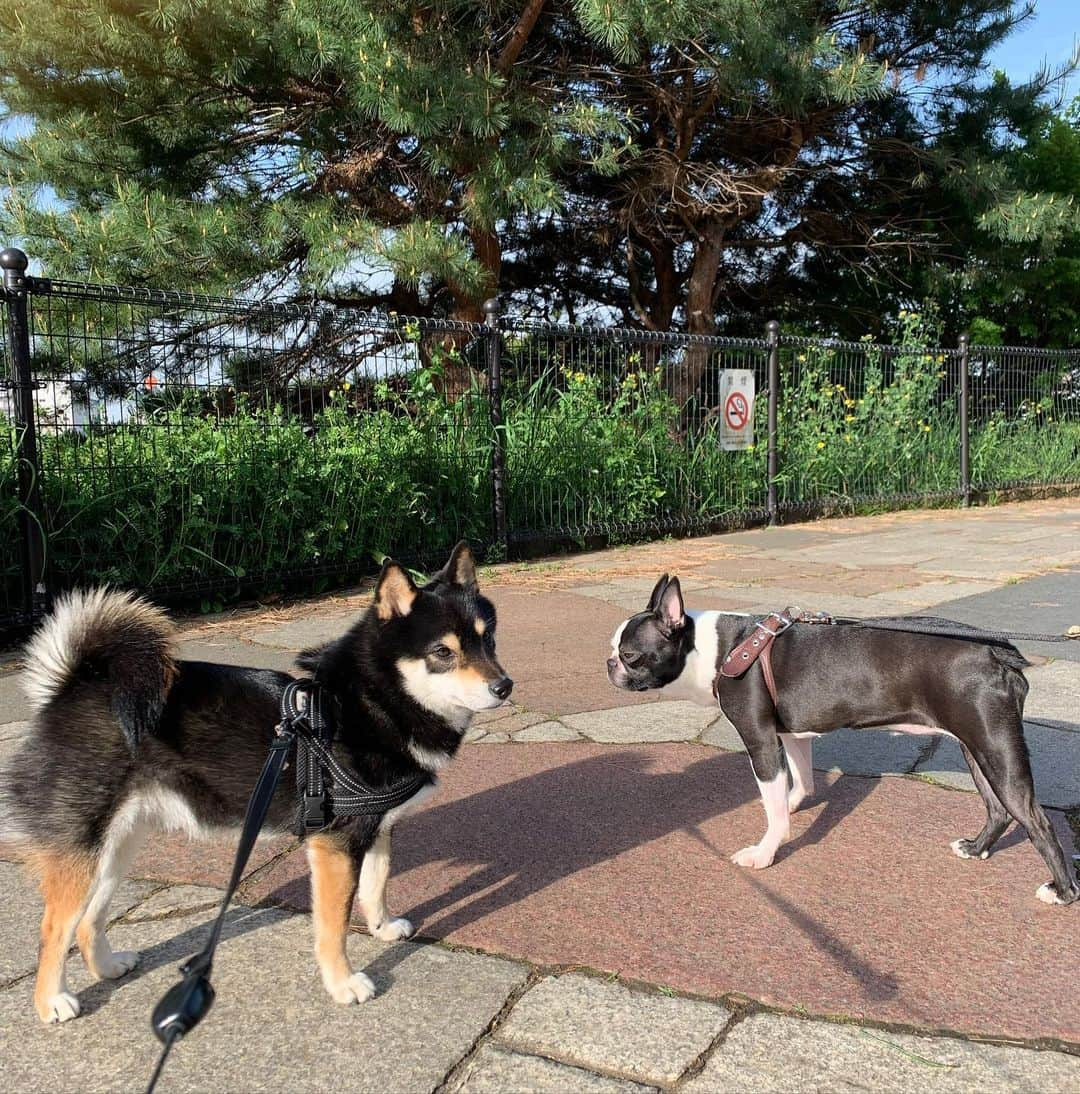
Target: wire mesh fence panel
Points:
(617, 433)
(861, 421)
(1025, 416)
(191, 445)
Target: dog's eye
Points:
(632, 659)
(444, 653)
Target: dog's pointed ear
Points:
(395, 591)
(671, 611)
(658, 591)
(460, 569)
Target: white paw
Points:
(393, 930)
(796, 799)
(61, 1008)
(757, 856)
(357, 989)
(1048, 894)
(117, 965)
(958, 849)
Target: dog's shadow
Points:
(524, 835)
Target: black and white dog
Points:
(833, 676)
(128, 739)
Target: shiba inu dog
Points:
(832, 676)
(127, 739)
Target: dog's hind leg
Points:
(121, 846)
(374, 872)
(1002, 755)
(66, 880)
(333, 887)
(800, 755)
(997, 816)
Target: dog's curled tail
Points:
(112, 634)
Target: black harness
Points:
(327, 791)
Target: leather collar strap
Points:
(326, 788)
(758, 644)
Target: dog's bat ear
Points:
(460, 568)
(670, 609)
(658, 591)
(395, 591)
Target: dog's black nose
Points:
(611, 663)
(501, 688)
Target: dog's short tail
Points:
(109, 634)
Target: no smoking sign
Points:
(737, 402)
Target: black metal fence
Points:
(194, 447)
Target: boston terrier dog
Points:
(826, 677)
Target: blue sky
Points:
(1051, 35)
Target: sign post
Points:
(736, 409)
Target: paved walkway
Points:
(583, 927)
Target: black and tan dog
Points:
(833, 676)
(127, 739)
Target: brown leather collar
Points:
(759, 645)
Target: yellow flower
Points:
(749, 448)
(847, 438)
(579, 377)
(820, 445)
(850, 402)
(849, 417)
(839, 387)
(801, 357)
(346, 386)
(926, 429)
(903, 313)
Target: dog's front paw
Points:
(757, 856)
(393, 930)
(1049, 894)
(61, 1007)
(117, 965)
(358, 988)
(965, 848)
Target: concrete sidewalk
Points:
(589, 827)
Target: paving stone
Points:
(1055, 765)
(239, 653)
(432, 1006)
(493, 739)
(21, 917)
(662, 721)
(547, 731)
(771, 599)
(176, 899)
(302, 633)
(931, 593)
(493, 1070)
(722, 734)
(869, 751)
(14, 706)
(474, 734)
(511, 721)
(606, 1026)
(769, 1053)
(1055, 693)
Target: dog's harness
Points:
(327, 791)
(758, 646)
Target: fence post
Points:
(494, 347)
(772, 338)
(13, 264)
(965, 417)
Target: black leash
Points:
(947, 628)
(327, 790)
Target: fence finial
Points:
(14, 262)
(492, 310)
(772, 331)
